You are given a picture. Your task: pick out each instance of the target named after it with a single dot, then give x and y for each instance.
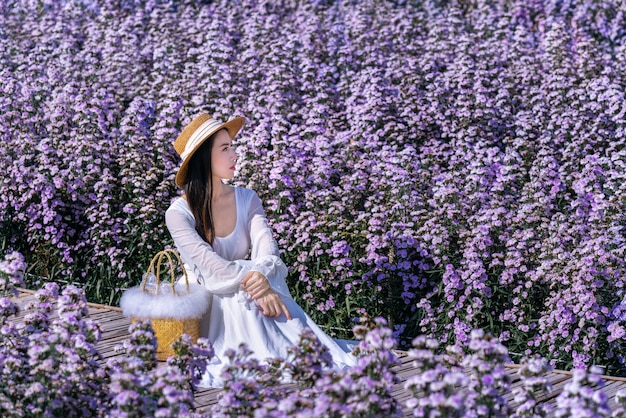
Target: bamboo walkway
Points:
(115, 330)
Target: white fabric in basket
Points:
(182, 305)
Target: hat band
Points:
(199, 135)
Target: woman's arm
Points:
(266, 279)
(265, 254)
(219, 274)
(264, 246)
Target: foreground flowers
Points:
(253, 389)
(49, 366)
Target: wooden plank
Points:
(610, 389)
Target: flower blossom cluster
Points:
(448, 165)
(12, 268)
(583, 397)
(534, 382)
(465, 380)
(253, 388)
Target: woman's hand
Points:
(272, 305)
(256, 284)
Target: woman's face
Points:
(223, 156)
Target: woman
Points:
(223, 238)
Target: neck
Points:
(219, 189)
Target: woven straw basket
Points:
(167, 331)
(172, 314)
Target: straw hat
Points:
(194, 135)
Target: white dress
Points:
(233, 317)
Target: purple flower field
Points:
(447, 165)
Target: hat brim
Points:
(232, 126)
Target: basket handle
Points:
(157, 260)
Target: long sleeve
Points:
(218, 274)
(265, 254)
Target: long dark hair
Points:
(199, 189)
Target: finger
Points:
(258, 278)
(246, 278)
(264, 308)
(255, 285)
(284, 310)
(252, 287)
(272, 310)
(259, 293)
(279, 308)
(250, 291)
